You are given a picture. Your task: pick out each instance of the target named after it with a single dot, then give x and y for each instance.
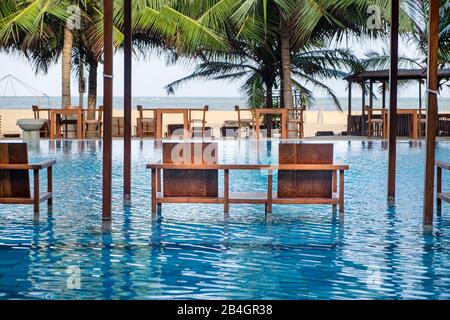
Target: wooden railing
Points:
(444, 125)
(403, 125)
(268, 198)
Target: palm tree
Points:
(255, 65)
(417, 33)
(414, 29)
(39, 30)
(254, 52)
(260, 73)
(33, 28)
(295, 21)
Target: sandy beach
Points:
(314, 120)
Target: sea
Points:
(215, 103)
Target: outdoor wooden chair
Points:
(15, 180)
(317, 182)
(306, 175)
(441, 196)
(45, 130)
(245, 122)
(68, 122)
(180, 186)
(198, 126)
(296, 122)
(93, 122)
(422, 123)
(145, 126)
(375, 124)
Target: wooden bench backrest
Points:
(190, 183)
(305, 184)
(14, 183)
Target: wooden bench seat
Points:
(247, 198)
(441, 196)
(43, 197)
(15, 180)
(194, 180)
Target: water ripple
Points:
(192, 253)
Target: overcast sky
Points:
(150, 77)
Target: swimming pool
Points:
(192, 253)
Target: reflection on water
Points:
(192, 252)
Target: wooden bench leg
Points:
(159, 179)
(226, 193)
(36, 195)
(439, 185)
(269, 196)
(154, 203)
(159, 209)
(341, 191)
(50, 189)
(334, 181)
(439, 190)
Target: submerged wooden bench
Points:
(196, 179)
(441, 196)
(15, 180)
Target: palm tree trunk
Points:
(286, 74)
(285, 53)
(67, 67)
(269, 95)
(92, 90)
(269, 104)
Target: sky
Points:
(152, 75)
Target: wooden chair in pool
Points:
(306, 175)
(198, 125)
(376, 123)
(45, 130)
(183, 186)
(145, 127)
(93, 122)
(313, 179)
(15, 179)
(441, 196)
(248, 122)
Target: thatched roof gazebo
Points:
(382, 76)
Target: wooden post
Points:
(269, 196)
(420, 95)
(36, 194)
(433, 42)
(334, 178)
(50, 187)
(158, 182)
(349, 117)
(107, 104)
(154, 212)
(371, 95)
(226, 192)
(393, 83)
(384, 96)
(349, 98)
(127, 103)
(439, 186)
(363, 105)
(341, 191)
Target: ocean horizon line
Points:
(214, 103)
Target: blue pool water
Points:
(192, 253)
